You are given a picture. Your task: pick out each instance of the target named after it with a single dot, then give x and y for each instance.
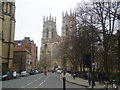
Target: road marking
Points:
(22, 87)
(32, 82)
(29, 84)
(36, 80)
(41, 84)
(40, 77)
(46, 79)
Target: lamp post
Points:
(118, 51)
(45, 46)
(92, 58)
(64, 68)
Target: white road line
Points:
(46, 79)
(41, 84)
(36, 87)
(22, 87)
(32, 82)
(40, 77)
(36, 80)
(29, 84)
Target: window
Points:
(67, 30)
(47, 33)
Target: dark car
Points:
(31, 73)
(0, 76)
(7, 76)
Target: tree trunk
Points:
(106, 63)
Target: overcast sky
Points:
(29, 16)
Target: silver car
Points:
(24, 73)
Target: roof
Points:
(20, 48)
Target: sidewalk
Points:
(83, 82)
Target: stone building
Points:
(30, 49)
(7, 29)
(68, 29)
(1, 37)
(49, 44)
(68, 24)
(50, 55)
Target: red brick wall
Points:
(32, 48)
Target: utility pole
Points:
(45, 46)
(92, 59)
(118, 31)
(64, 62)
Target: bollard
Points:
(64, 83)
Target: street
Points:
(52, 80)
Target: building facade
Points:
(49, 52)
(7, 30)
(1, 36)
(50, 55)
(22, 59)
(25, 49)
(68, 24)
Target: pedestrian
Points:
(100, 78)
(14, 73)
(74, 75)
(89, 78)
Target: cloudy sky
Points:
(29, 16)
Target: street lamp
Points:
(64, 68)
(45, 46)
(92, 58)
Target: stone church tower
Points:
(68, 29)
(68, 23)
(50, 56)
(49, 53)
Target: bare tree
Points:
(100, 15)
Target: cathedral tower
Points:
(49, 53)
(49, 29)
(68, 23)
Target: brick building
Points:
(25, 51)
(22, 59)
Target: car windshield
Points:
(60, 69)
(4, 73)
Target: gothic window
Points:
(47, 33)
(52, 33)
(7, 8)
(66, 28)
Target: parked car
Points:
(7, 76)
(31, 72)
(24, 73)
(16, 74)
(0, 76)
(36, 71)
(59, 71)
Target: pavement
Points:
(84, 82)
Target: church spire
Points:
(43, 19)
(66, 14)
(70, 12)
(50, 17)
(46, 18)
(62, 14)
(55, 19)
